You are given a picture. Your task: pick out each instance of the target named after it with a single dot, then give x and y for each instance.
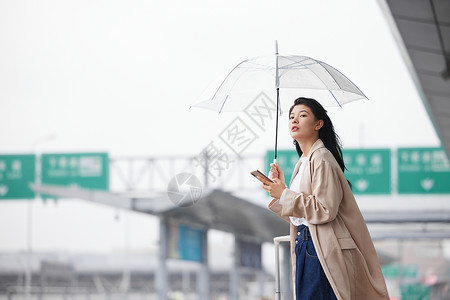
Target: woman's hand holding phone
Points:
(276, 187)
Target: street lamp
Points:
(28, 273)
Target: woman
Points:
(332, 253)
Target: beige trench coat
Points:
(339, 233)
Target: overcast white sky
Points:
(119, 76)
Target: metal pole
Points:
(277, 85)
(234, 280)
(29, 251)
(277, 240)
(277, 271)
(186, 280)
(400, 262)
(161, 275)
(206, 169)
(286, 284)
(276, 126)
(28, 275)
(125, 284)
(203, 283)
(261, 277)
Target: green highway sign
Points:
(85, 170)
(423, 171)
(396, 271)
(415, 291)
(368, 170)
(16, 173)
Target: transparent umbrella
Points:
(297, 76)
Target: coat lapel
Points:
(297, 167)
(317, 144)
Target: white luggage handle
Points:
(277, 240)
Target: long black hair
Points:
(326, 133)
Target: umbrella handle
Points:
(270, 172)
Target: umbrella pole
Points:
(277, 84)
(276, 126)
(276, 133)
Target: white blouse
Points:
(295, 186)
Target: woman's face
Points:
(303, 124)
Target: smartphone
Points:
(259, 173)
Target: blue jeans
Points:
(311, 282)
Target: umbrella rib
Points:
(354, 85)
(251, 67)
(299, 67)
(300, 64)
(269, 68)
(232, 86)
(326, 85)
(223, 81)
(303, 58)
(288, 66)
(348, 80)
(320, 63)
(300, 61)
(317, 76)
(335, 99)
(262, 65)
(265, 68)
(296, 62)
(221, 84)
(223, 104)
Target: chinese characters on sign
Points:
(86, 170)
(368, 170)
(423, 171)
(16, 173)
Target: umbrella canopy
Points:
(296, 76)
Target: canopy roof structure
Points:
(216, 209)
(223, 211)
(422, 31)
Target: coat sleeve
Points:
(323, 204)
(276, 207)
